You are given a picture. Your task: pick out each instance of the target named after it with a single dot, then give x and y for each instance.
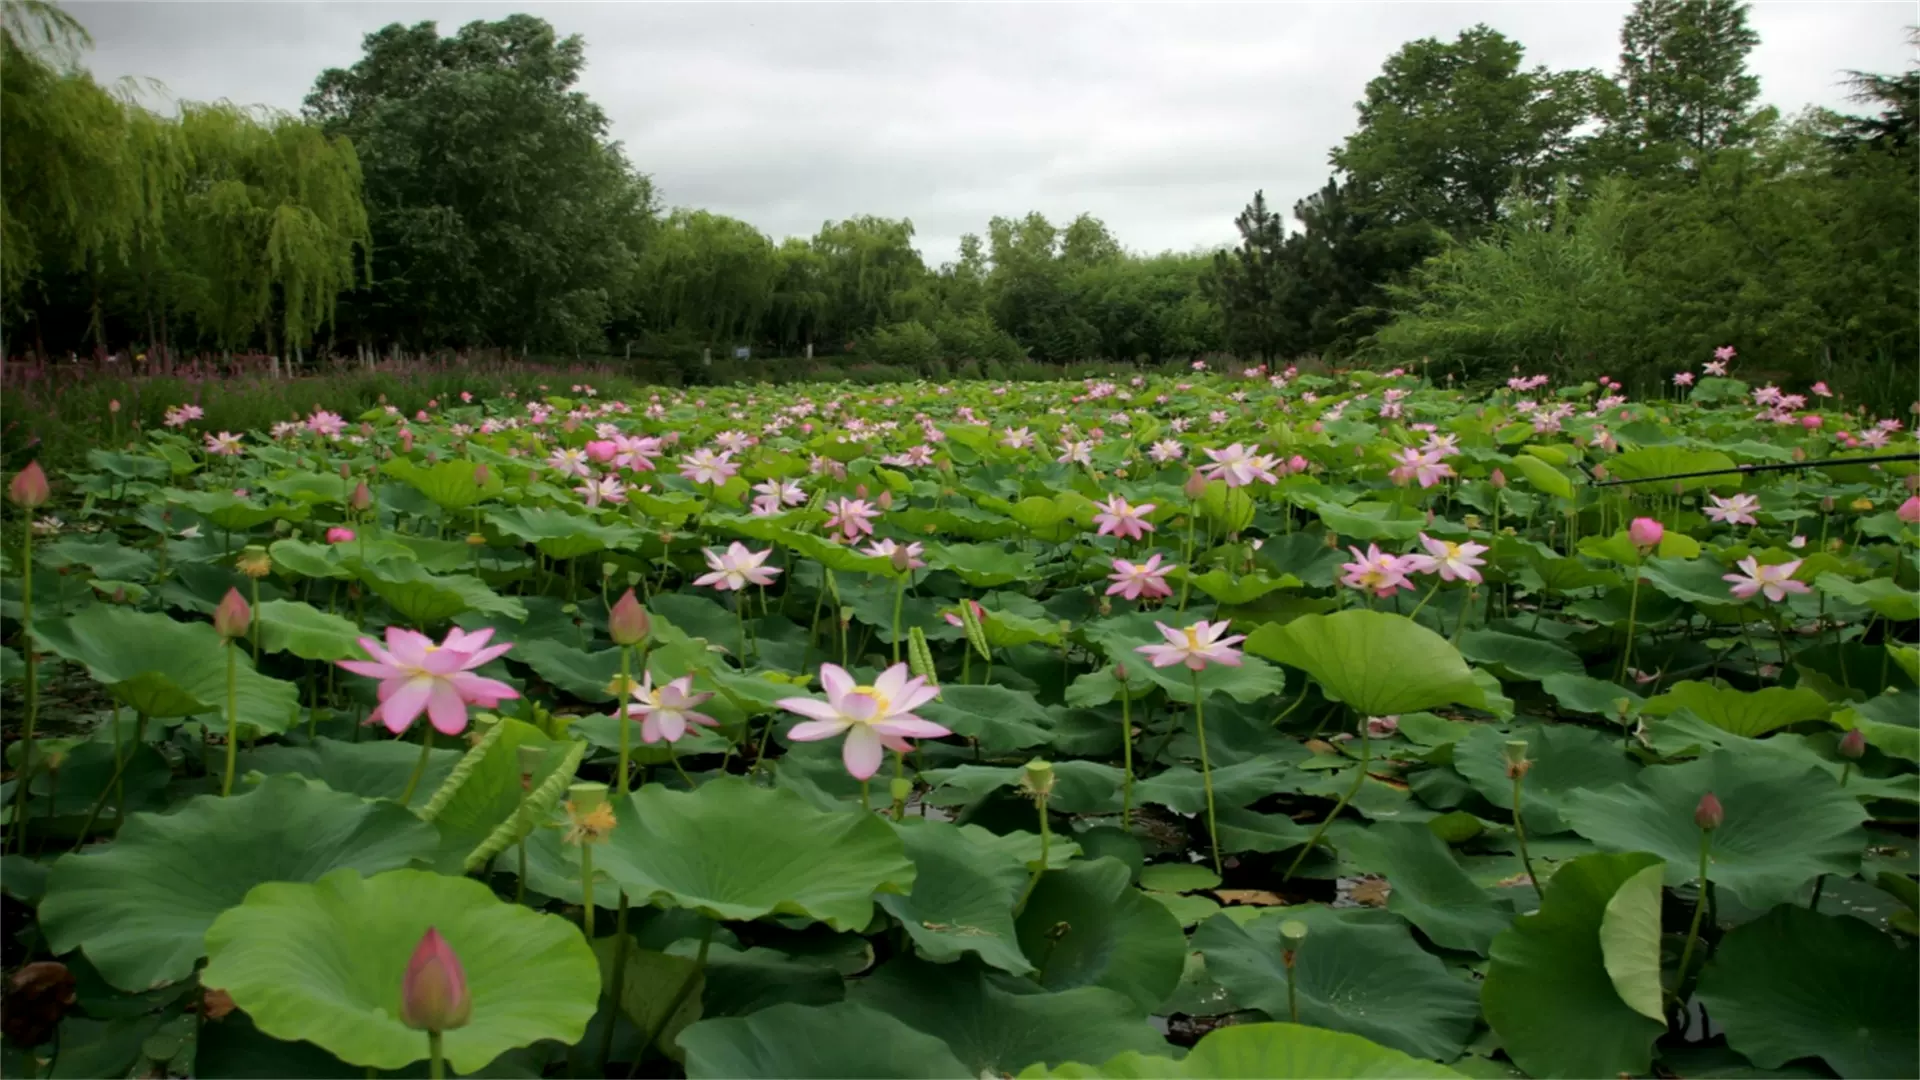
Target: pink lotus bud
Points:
(1298, 464)
(885, 501)
(1379, 727)
(433, 993)
(1909, 511)
(339, 535)
(602, 450)
(480, 475)
(421, 416)
(1853, 745)
(1811, 420)
(628, 623)
(1195, 486)
(406, 441)
(1498, 479)
(233, 616)
(902, 562)
(1120, 672)
(29, 488)
(1646, 533)
(345, 472)
(113, 406)
(859, 491)
(1708, 815)
(361, 497)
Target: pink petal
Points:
(911, 726)
(815, 730)
(835, 680)
(862, 752)
(817, 710)
(446, 709)
(405, 702)
(368, 668)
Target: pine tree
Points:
(1683, 70)
(1249, 283)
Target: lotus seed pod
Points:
(1292, 933)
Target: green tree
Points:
(1683, 70)
(866, 264)
(501, 212)
(1449, 129)
(708, 277)
(1252, 284)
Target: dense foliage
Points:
(457, 192)
(952, 730)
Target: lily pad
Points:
(1786, 822)
(1566, 759)
(1430, 890)
(963, 896)
(732, 850)
(140, 908)
(531, 976)
(1742, 712)
(1380, 664)
(1086, 925)
(842, 1041)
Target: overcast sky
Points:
(1159, 119)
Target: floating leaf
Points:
(1743, 712)
(1378, 663)
(1087, 926)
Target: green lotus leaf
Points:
(1360, 972)
(1080, 787)
(998, 1025)
(732, 850)
(303, 558)
(375, 769)
(106, 556)
(1545, 477)
(585, 675)
(1002, 720)
(1794, 984)
(1183, 789)
(1668, 461)
(1429, 889)
(1238, 588)
(428, 599)
(1549, 995)
(311, 488)
(982, 566)
(1578, 693)
(305, 631)
(1517, 658)
(1786, 822)
(140, 907)
(1262, 1052)
(163, 668)
(233, 513)
(559, 534)
(964, 890)
(452, 485)
(1887, 597)
(1696, 581)
(1086, 925)
(530, 976)
(1378, 663)
(1630, 942)
(1566, 760)
(842, 1041)
(1367, 520)
(1621, 549)
(1743, 712)
(651, 983)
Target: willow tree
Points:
(271, 228)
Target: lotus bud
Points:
(1909, 511)
(254, 562)
(433, 994)
(1646, 533)
(1195, 486)
(233, 616)
(859, 491)
(1120, 672)
(900, 787)
(361, 497)
(406, 441)
(1039, 777)
(1826, 504)
(1708, 815)
(1600, 472)
(480, 475)
(113, 406)
(628, 623)
(602, 450)
(339, 535)
(885, 501)
(902, 562)
(1853, 745)
(1379, 727)
(29, 487)
(1498, 479)
(345, 472)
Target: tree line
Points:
(457, 191)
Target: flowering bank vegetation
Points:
(1260, 724)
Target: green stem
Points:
(1423, 600)
(1520, 832)
(586, 888)
(1699, 908)
(626, 730)
(899, 594)
(520, 882)
(1633, 612)
(1046, 839)
(619, 980)
(679, 998)
(1186, 578)
(1206, 769)
(1366, 756)
(899, 809)
(233, 716)
(25, 779)
(1293, 997)
(420, 766)
(1126, 743)
(436, 1058)
(253, 628)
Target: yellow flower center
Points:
(1453, 549)
(881, 706)
(1193, 638)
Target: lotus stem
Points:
(1417, 608)
(899, 595)
(679, 998)
(1633, 612)
(436, 1057)
(626, 722)
(1820, 883)
(1206, 768)
(1520, 833)
(420, 766)
(586, 888)
(33, 685)
(1366, 756)
(1699, 909)
(233, 718)
(1126, 749)
(1046, 840)
(619, 979)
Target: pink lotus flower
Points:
(602, 450)
(1379, 727)
(1735, 511)
(1724, 353)
(1774, 581)
(1909, 511)
(1425, 468)
(785, 492)
(568, 461)
(1820, 390)
(1196, 646)
(1646, 533)
(339, 535)
(1684, 378)
(1376, 572)
(433, 992)
(1134, 580)
(1715, 367)
(415, 674)
(979, 614)
(225, 444)
(1119, 519)
(874, 718)
(1453, 562)
(327, 424)
(1167, 450)
(1238, 466)
(704, 466)
(29, 487)
(884, 549)
(853, 517)
(738, 568)
(665, 711)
